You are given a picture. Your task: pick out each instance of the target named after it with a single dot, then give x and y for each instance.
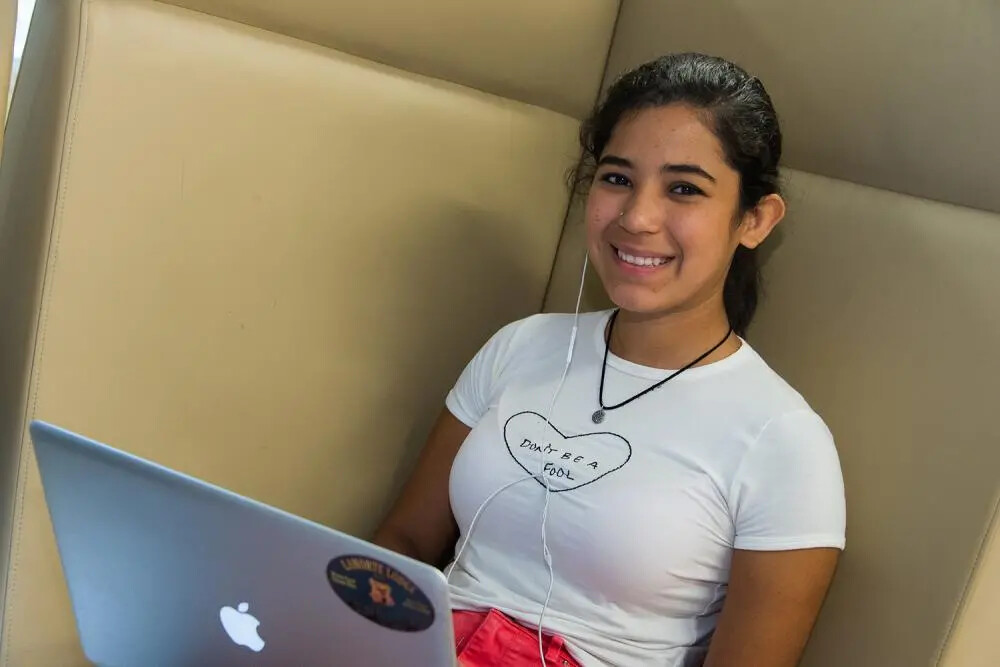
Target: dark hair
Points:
(739, 112)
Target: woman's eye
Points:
(615, 179)
(685, 189)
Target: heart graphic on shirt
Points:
(567, 461)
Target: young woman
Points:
(693, 502)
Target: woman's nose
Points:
(641, 214)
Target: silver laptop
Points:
(164, 569)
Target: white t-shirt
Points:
(647, 506)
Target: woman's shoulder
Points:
(787, 490)
(559, 322)
(789, 428)
(541, 333)
(521, 345)
(773, 393)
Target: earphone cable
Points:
(540, 475)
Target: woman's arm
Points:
(773, 600)
(420, 523)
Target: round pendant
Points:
(598, 416)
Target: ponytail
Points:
(741, 290)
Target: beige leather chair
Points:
(256, 241)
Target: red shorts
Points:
(491, 639)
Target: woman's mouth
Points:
(642, 263)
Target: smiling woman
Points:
(658, 495)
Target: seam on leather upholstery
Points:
(977, 565)
(38, 350)
(399, 66)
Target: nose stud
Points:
(621, 214)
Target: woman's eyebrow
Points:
(615, 160)
(687, 169)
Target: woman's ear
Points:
(758, 222)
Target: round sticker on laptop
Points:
(380, 593)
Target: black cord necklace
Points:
(599, 415)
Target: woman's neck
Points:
(673, 340)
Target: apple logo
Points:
(241, 626)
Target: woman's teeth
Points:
(641, 261)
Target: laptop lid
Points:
(166, 569)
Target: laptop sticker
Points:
(380, 593)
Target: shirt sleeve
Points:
(788, 492)
(476, 388)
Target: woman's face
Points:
(661, 213)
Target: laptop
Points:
(165, 569)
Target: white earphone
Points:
(539, 475)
